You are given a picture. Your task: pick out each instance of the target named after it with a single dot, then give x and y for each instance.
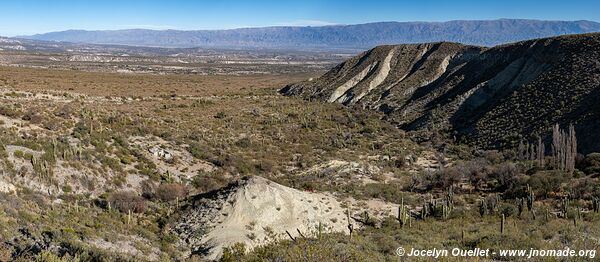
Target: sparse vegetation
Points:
(100, 166)
(127, 202)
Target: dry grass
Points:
(238, 126)
(117, 85)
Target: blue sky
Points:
(29, 16)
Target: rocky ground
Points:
(256, 211)
(146, 163)
(120, 167)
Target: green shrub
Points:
(204, 182)
(19, 154)
(546, 182)
(244, 142)
(592, 163)
(234, 253)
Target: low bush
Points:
(170, 192)
(207, 182)
(126, 201)
(592, 163)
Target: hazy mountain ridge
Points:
(484, 32)
(494, 97)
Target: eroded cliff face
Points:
(492, 97)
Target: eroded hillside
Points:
(491, 97)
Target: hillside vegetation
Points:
(437, 145)
(490, 97)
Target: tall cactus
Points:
(445, 212)
(483, 208)
(502, 224)
(520, 205)
(78, 152)
(403, 215)
(424, 211)
(54, 148)
(565, 207)
(450, 198)
(33, 161)
(350, 225)
(492, 204)
(432, 204)
(530, 198)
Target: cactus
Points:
(483, 208)
(78, 152)
(350, 226)
(520, 205)
(403, 215)
(496, 203)
(450, 198)
(424, 211)
(366, 218)
(595, 205)
(491, 204)
(502, 224)
(432, 204)
(565, 207)
(449, 205)
(54, 146)
(45, 167)
(445, 212)
(530, 198)
(320, 230)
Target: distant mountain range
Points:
(361, 36)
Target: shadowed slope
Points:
(492, 97)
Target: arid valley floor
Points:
(101, 161)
